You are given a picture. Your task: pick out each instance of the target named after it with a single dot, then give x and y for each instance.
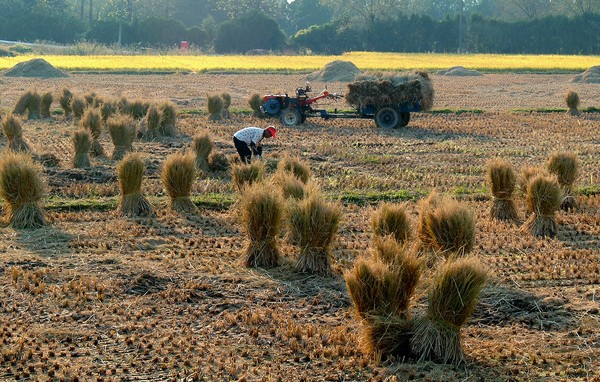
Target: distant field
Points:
(364, 61)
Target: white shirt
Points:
(250, 135)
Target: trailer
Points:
(293, 111)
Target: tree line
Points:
(316, 26)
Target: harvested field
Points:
(96, 297)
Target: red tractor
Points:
(294, 111)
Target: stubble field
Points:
(97, 297)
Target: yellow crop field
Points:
(363, 60)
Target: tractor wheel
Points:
(404, 119)
(290, 117)
(387, 118)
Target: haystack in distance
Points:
(38, 67)
(381, 90)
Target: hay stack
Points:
(261, 216)
(565, 167)
(14, 133)
(451, 301)
(502, 181)
(379, 90)
(544, 197)
(313, 224)
(22, 188)
(130, 172)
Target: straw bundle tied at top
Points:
(379, 90)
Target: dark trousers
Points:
(243, 150)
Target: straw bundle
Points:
(565, 167)
(313, 224)
(244, 175)
(255, 102)
(502, 180)
(152, 122)
(544, 198)
(46, 103)
(122, 133)
(451, 301)
(130, 172)
(82, 143)
(65, 102)
(178, 175)
(214, 106)
(92, 121)
(218, 161)
(14, 133)
(202, 145)
(294, 166)
(22, 189)
(391, 220)
(225, 113)
(261, 216)
(168, 119)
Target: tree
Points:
(366, 11)
(254, 31)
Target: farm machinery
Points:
(294, 110)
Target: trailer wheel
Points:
(290, 117)
(404, 119)
(387, 118)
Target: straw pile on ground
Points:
(384, 90)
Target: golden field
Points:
(296, 63)
(96, 297)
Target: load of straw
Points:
(78, 106)
(544, 198)
(261, 216)
(178, 175)
(14, 133)
(82, 143)
(451, 301)
(22, 189)
(381, 90)
(565, 167)
(291, 187)
(313, 224)
(30, 101)
(502, 180)
(130, 172)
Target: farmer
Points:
(248, 141)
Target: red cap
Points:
(272, 130)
